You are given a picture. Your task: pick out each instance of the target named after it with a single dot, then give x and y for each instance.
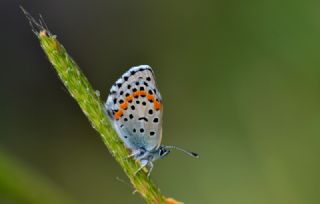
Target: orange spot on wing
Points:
(142, 93)
(157, 105)
(129, 98)
(137, 93)
(118, 114)
(150, 97)
(124, 105)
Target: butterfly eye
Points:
(163, 152)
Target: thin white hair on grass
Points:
(36, 26)
(42, 22)
(127, 184)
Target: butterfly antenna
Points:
(192, 154)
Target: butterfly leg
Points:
(144, 163)
(134, 153)
(151, 167)
(138, 154)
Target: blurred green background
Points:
(240, 82)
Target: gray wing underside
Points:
(141, 124)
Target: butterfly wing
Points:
(135, 107)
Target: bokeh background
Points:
(240, 82)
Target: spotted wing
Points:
(135, 107)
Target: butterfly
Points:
(135, 108)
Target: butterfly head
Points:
(163, 151)
(159, 153)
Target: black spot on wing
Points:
(143, 118)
